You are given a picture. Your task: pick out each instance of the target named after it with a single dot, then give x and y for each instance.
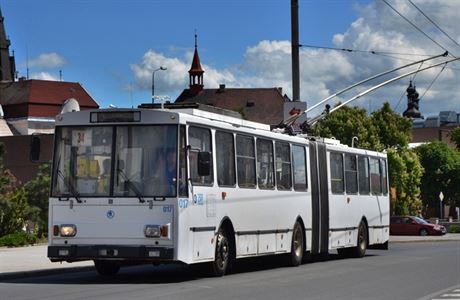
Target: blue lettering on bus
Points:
(167, 208)
(183, 203)
(198, 199)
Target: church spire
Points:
(196, 71)
(7, 65)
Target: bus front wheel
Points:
(297, 248)
(106, 267)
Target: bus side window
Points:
(265, 177)
(383, 168)
(363, 173)
(225, 159)
(283, 166)
(299, 167)
(199, 140)
(337, 181)
(351, 174)
(376, 182)
(246, 161)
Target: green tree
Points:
(13, 201)
(455, 137)
(392, 129)
(37, 194)
(442, 173)
(405, 174)
(14, 211)
(346, 123)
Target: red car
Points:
(414, 226)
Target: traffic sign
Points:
(441, 196)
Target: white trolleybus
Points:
(191, 186)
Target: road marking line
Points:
(451, 295)
(456, 291)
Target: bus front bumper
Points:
(135, 253)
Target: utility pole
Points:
(295, 50)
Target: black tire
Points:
(223, 256)
(106, 267)
(423, 232)
(297, 245)
(361, 247)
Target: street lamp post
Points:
(153, 80)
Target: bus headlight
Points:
(152, 231)
(157, 231)
(68, 230)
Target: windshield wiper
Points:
(70, 187)
(131, 185)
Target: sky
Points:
(112, 46)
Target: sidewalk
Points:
(449, 237)
(32, 261)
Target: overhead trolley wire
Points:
(384, 53)
(429, 87)
(415, 26)
(436, 25)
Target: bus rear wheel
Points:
(106, 267)
(222, 260)
(297, 243)
(360, 250)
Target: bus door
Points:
(320, 198)
(201, 213)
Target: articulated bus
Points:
(186, 185)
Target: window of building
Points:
(225, 159)
(299, 166)
(363, 173)
(199, 140)
(283, 166)
(376, 181)
(246, 161)
(265, 177)
(351, 174)
(337, 185)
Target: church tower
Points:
(196, 73)
(7, 64)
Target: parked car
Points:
(408, 225)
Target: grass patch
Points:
(454, 229)
(18, 239)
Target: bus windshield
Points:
(118, 161)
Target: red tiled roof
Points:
(263, 105)
(41, 97)
(44, 92)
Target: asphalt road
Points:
(406, 271)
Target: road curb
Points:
(44, 272)
(422, 241)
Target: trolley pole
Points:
(295, 50)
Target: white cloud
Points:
(47, 60)
(323, 72)
(44, 76)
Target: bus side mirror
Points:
(204, 163)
